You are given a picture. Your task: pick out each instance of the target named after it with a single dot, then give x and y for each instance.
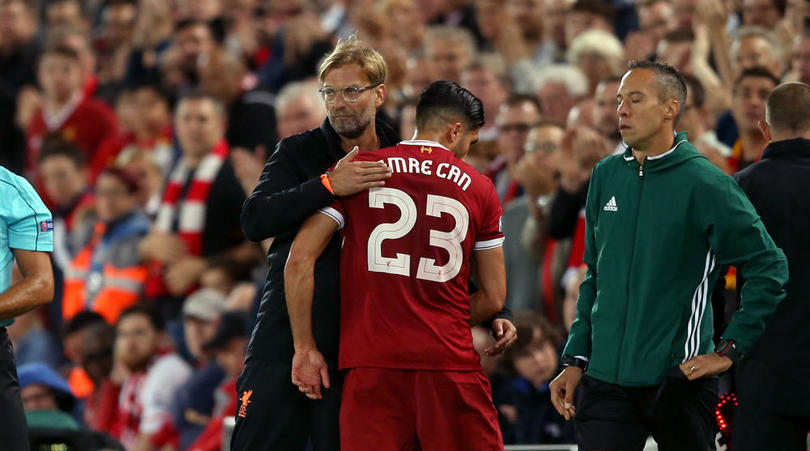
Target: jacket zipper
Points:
(630, 270)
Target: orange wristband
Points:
(326, 184)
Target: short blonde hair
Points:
(352, 51)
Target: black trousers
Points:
(273, 415)
(757, 428)
(13, 429)
(678, 414)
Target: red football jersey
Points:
(405, 300)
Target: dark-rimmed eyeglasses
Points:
(349, 93)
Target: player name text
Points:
(425, 167)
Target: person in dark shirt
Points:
(774, 404)
(272, 414)
(198, 217)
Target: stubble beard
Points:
(351, 127)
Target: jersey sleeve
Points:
(29, 222)
(490, 235)
(336, 212)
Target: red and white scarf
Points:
(189, 210)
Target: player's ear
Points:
(454, 132)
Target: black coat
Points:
(776, 372)
(290, 191)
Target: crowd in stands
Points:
(145, 124)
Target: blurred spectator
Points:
(655, 20)
(46, 397)
(525, 218)
(525, 401)
(201, 314)
(450, 49)
(293, 40)
(684, 12)
(19, 51)
(559, 87)
(108, 275)
(32, 342)
(60, 13)
(407, 19)
(755, 46)
(81, 120)
(675, 49)
(79, 40)
(73, 337)
(486, 78)
(114, 40)
(587, 15)
(154, 375)
(598, 54)
(65, 179)
(605, 119)
(299, 107)
(228, 344)
(750, 93)
(420, 71)
(199, 215)
(192, 43)
(554, 40)
(514, 119)
(694, 117)
(763, 13)
(150, 175)
(96, 356)
(801, 58)
(251, 120)
(193, 403)
(148, 129)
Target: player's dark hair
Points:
(669, 80)
(444, 101)
(155, 318)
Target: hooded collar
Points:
(681, 151)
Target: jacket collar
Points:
(681, 151)
(797, 147)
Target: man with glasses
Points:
(514, 120)
(272, 414)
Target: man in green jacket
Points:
(661, 221)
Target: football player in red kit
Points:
(414, 380)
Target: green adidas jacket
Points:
(656, 235)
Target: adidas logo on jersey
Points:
(611, 204)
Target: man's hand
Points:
(505, 336)
(562, 391)
(309, 369)
(705, 365)
(163, 247)
(350, 177)
(183, 274)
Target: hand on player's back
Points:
(309, 369)
(350, 177)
